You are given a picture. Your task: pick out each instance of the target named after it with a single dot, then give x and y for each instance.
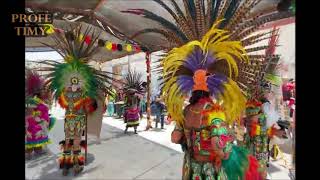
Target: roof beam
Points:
(89, 13)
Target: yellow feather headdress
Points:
(217, 56)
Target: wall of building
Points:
(286, 47)
(287, 50)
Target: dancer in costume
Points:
(134, 91)
(261, 127)
(202, 125)
(256, 138)
(205, 42)
(261, 114)
(38, 123)
(75, 84)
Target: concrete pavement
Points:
(148, 155)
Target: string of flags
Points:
(108, 45)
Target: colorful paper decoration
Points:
(119, 47)
(50, 29)
(109, 45)
(114, 46)
(128, 48)
(80, 37)
(101, 43)
(87, 39)
(137, 48)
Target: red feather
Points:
(34, 83)
(252, 172)
(253, 131)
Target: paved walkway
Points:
(119, 156)
(276, 171)
(148, 155)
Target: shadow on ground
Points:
(51, 170)
(273, 169)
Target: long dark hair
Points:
(197, 95)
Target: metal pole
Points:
(148, 55)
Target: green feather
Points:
(75, 66)
(273, 79)
(237, 163)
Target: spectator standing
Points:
(160, 112)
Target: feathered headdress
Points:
(133, 83)
(197, 17)
(34, 83)
(253, 107)
(196, 62)
(206, 65)
(268, 74)
(75, 72)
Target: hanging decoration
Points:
(137, 48)
(128, 48)
(50, 29)
(80, 37)
(87, 39)
(119, 47)
(110, 46)
(101, 43)
(114, 46)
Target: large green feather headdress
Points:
(75, 71)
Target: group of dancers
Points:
(212, 58)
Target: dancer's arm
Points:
(177, 135)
